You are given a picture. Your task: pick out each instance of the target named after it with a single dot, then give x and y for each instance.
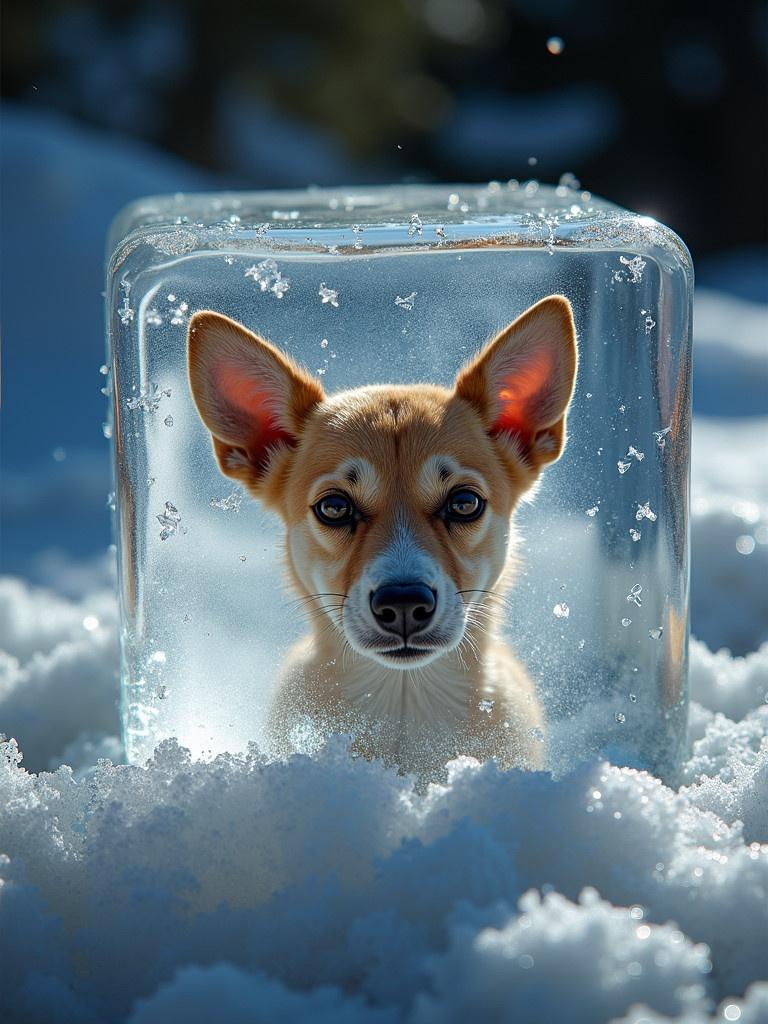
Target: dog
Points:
(397, 503)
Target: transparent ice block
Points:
(401, 285)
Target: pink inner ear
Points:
(260, 427)
(517, 394)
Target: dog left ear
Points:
(252, 397)
(521, 383)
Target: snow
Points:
(331, 889)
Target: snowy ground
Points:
(327, 889)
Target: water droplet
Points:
(731, 1012)
(626, 622)
(111, 501)
(486, 706)
(656, 633)
(562, 611)
(569, 180)
(555, 46)
(103, 369)
(328, 295)
(526, 961)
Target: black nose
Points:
(403, 608)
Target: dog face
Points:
(397, 501)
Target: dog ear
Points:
(522, 381)
(253, 398)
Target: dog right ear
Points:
(252, 397)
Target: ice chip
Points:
(635, 535)
(592, 512)
(415, 227)
(170, 520)
(620, 717)
(561, 611)
(660, 437)
(328, 295)
(656, 633)
(633, 597)
(623, 466)
(148, 399)
(645, 511)
(407, 302)
(231, 503)
(635, 267)
(633, 453)
(486, 706)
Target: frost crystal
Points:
(635, 535)
(632, 452)
(125, 312)
(153, 318)
(660, 437)
(170, 520)
(179, 314)
(328, 295)
(440, 232)
(231, 503)
(562, 611)
(623, 466)
(415, 227)
(635, 268)
(268, 278)
(486, 706)
(645, 512)
(633, 597)
(592, 512)
(649, 323)
(148, 399)
(407, 302)
(656, 633)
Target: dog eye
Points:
(334, 510)
(464, 506)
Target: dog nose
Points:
(403, 608)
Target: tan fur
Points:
(397, 452)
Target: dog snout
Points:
(403, 608)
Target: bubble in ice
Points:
(633, 597)
(620, 717)
(230, 503)
(633, 453)
(486, 706)
(148, 398)
(170, 520)
(623, 466)
(635, 535)
(415, 227)
(660, 437)
(626, 622)
(645, 511)
(168, 421)
(328, 295)
(406, 302)
(633, 698)
(561, 610)
(635, 267)
(656, 633)
(592, 512)
(649, 323)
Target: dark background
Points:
(659, 106)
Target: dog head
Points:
(397, 500)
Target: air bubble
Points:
(148, 398)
